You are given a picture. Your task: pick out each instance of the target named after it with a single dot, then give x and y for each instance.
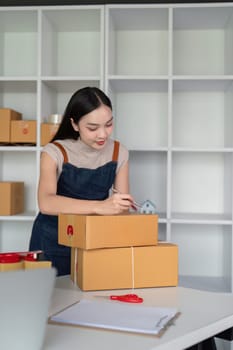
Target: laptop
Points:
(24, 303)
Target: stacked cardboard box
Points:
(7, 115)
(117, 252)
(23, 131)
(13, 129)
(48, 130)
(12, 198)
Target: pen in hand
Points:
(134, 205)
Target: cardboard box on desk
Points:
(13, 194)
(6, 116)
(96, 231)
(23, 131)
(123, 268)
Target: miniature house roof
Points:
(148, 207)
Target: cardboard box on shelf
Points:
(12, 195)
(23, 131)
(123, 268)
(48, 130)
(96, 231)
(6, 116)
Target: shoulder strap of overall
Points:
(63, 151)
(115, 151)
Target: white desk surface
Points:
(203, 314)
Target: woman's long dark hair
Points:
(81, 103)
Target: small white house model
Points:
(148, 207)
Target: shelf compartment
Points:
(210, 284)
(56, 94)
(201, 184)
(18, 43)
(140, 106)
(204, 253)
(137, 43)
(72, 42)
(25, 163)
(148, 172)
(15, 235)
(197, 104)
(162, 231)
(202, 40)
(20, 96)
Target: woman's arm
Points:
(121, 183)
(53, 204)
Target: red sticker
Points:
(70, 230)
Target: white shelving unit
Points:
(169, 73)
(46, 53)
(168, 70)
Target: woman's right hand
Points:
(117, 203)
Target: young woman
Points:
(77, 171)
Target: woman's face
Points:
(95, 127)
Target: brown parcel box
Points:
(100, 231)
(118, 268)
(48, 130)
(6, 116)
(23, 131)
(13, 194)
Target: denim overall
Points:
(74, 182)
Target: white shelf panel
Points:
(196, 106)
(18, 78)
(18, 148)
(200, 218)
(26, 216)
(26, 172)
(201, 250)
(129, 100)
(146, 29)
(202, 40)
(78, 34)
(162, 231)
(201, 150)
(201, 183)
(78, 78)
(211, 284)
(18, 43)
(139, 77)
(55, 94)
(148, 172)
(15, 235)
(20, 96)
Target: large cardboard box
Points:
(120, 268)
(6, 116)
(97, 231)
(23, 131)
(48, 130)
(12, 198)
